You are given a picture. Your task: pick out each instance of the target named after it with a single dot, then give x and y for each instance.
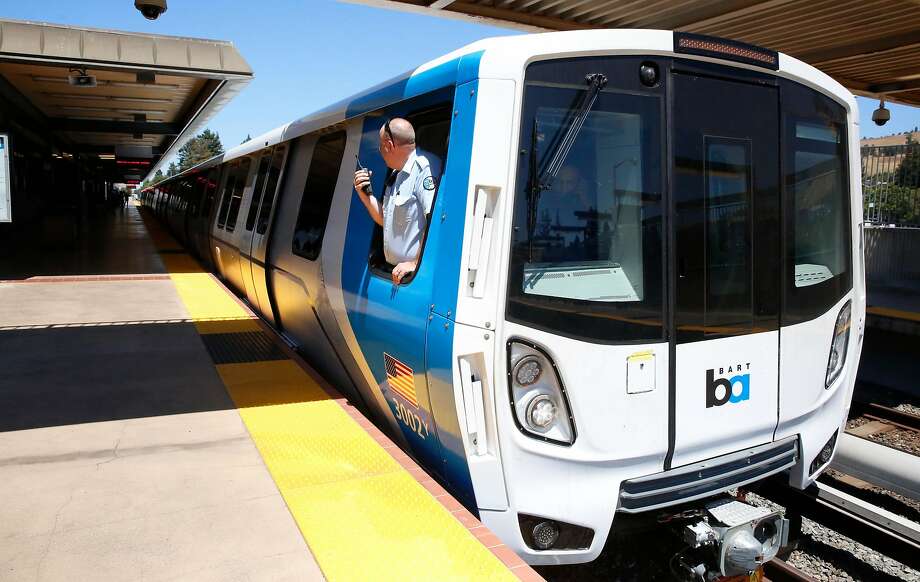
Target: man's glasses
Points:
(389, 132)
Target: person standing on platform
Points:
(408, 194)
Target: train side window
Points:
(268, 198)
(257, 191)
(432, 134)
(242, 173)
(317, 195)
(225, 196)
(210, 189)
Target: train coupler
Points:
(727, 539)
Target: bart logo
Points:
(735, 389)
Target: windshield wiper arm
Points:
(559, 152)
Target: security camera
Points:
(79, 78)
(151, 9)
(881, 115)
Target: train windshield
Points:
(588, 242)
(587, 256)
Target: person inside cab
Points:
(407, 197)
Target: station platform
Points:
(151, 427)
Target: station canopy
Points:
(872, 47)
(129, 99)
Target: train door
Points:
(726, 258)
(258, 222)
(390, 321)
(249, 225)
(225, 239)
(208, 185)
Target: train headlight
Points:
(527, 371)
(541, 412)
(538, 397)
(839, 342)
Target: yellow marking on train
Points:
(895, 313)
(362, 514)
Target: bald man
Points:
(407, 197)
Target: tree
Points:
(248, 137)
(172, 170)
(202, 147)
(908, 174)
(158, 177)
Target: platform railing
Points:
(891, 184)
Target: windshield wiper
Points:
(558, 153)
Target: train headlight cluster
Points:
(839, 342)
(538, 396)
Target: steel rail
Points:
(777, 570)
(887, 415)
(876, 528)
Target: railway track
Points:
(873, 527)
(886, 414)
(777, 570)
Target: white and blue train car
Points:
(641, 284)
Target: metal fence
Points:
(891, 184)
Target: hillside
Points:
(889, 140)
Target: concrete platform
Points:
(127, 451)
(121, 454)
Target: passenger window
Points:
(242, 173)
(432, 134)
(257, 191)
(225, 198)
(210, 189)
(268, 198)
(317, 195)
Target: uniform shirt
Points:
(407, 200)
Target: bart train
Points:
(641, 283)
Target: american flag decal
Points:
(400, 379)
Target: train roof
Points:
(506, 57)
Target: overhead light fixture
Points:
(110, 109)
(97, 97)
(106, 156)
(105, 83)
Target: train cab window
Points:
(271, 186)
(432, 135)
(728, 216)
(317, 195)
(257, 191)
(818, 251)
(587, 245)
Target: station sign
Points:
(6, 210)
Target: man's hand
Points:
(362, 180)
(401, 270)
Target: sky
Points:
(307, 54)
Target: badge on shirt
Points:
(428, 183)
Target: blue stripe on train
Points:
(395, 320)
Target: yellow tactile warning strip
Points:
(366, 510)
(894, 313)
